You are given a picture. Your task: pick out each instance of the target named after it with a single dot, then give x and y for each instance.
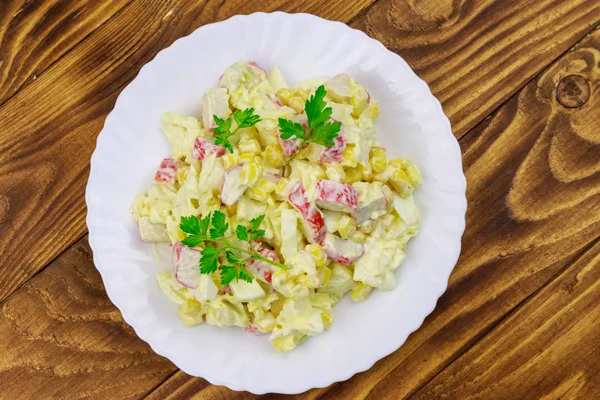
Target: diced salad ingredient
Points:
(277, 201)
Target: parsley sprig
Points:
(211, 231)
(243, 119)
(319, 130)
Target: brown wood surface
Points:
(533, 171)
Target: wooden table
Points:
(520, 82)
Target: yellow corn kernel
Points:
(248, 134)
(182, 173)
(281, 185)
(358, 237)
(324, 275)
(368, 226)
(396, 163)
(327, 319)
(229, 159)
(372, 110)
(335, 172)
(285, 95)
(274, 155)
(251, 172)
(346, 226)
(245, 157)
(261, 191)
(303, 94)
(400, 183)
(378, 160)
(318, 253)
(249, 146)
(257, 194)
(297, 104)
(366, 172)
(353, 175)
(414, 176)
(348, 158)
(360, 292)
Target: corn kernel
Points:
(249, 146)
(318, 253)
(378, 160)
(281, 185)
(346, 226)
(303, 94)
(257, 194)
(414, 176)
(248, 134)
(245, 157)
(251, 172)
(274, 155)
(229, 159)
(372, 110)
(297, 104)
(324, 275)
(358, 237)
(400, 183)
(353, 175)
(327, 319)
(360, 292)
(368, 226)
(348, 158)
(285, 95)
(182, 173)
(335, 172)
(366, 172)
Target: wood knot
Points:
(573, 91)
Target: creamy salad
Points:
(276, 202)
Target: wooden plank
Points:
(44, 159)
(552, 340)
(61, 337)
(533, 173)
(475, 55)
(34, 34)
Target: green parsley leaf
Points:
(223, 132)
(223, 140)
(228, 274)
(257, 234)
(218, 219)
(255, 222)
(315, 108)
(245, 118)
(203, 225)
(210, 260)
(223, 126)
(290, 129)
(324, 134)
(192, 240)
(245, 275)
(190, 225)
(231, 257)
(241, 232)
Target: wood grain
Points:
(34, 34)
(44, 161)
(552, 337)
(533, 173)
(476, 54)
(63, 338)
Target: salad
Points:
(276, 203)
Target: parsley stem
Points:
(255, 254)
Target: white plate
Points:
(129, 148)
